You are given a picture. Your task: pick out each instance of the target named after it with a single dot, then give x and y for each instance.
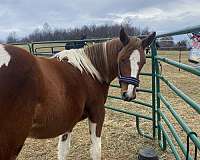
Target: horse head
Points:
(131, 60)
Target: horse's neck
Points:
(113, 47)
(104, 58)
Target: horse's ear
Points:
(148, 40)
(123, 37)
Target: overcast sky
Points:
(23, 16)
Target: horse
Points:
(46, 97)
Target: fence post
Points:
(153, 54)
(155, 68)
(32, 46)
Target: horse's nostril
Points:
(125, 96)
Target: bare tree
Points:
(103, 31)
(182, 45)
(12, 37)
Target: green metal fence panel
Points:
(153, 74)
(180, 32)
(169, 141)
(181, 94)
(36, 46)
(161, 119)
(195, 71)
(28, 45)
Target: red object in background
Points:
(196, 36)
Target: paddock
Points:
(120, 138)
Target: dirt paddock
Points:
(120, 139)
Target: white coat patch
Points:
(95, 150)
(64, 146)
(4, 56)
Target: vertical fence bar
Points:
(32, 47)
(161, 137)
(157, 92)
(29, 47)
(153, 52)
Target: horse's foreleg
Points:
(95, 150)
(96, 119)
(64, 145)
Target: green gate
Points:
(161, 117)
(158, 117)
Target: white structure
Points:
(194, 48)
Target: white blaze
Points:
(95, 150)
(134, 60)
(4, 56)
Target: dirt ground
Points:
(120, 140)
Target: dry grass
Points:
(120, 139)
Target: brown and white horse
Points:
(44, 98)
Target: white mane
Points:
(79, 59)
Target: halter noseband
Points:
(129, 80)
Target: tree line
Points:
(47, 33)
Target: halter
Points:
(127, 79)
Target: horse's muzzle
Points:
(126, 97)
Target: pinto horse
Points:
(44, 98)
